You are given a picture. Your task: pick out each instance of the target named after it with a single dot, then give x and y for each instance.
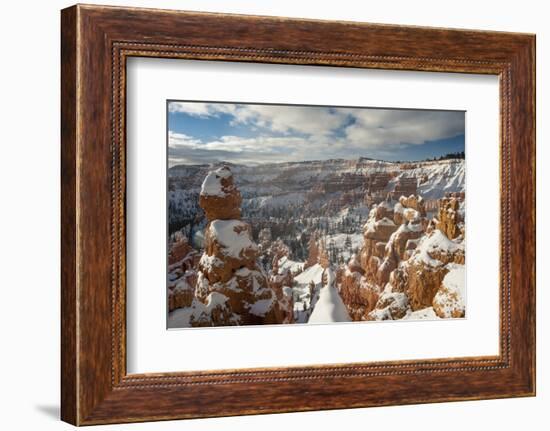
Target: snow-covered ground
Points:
(329, 307)
(292, 265)
(276, 200)
(348, 244)
(303, 296)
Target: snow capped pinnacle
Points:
(219, 198)
(233, 237)
(232, 288)
(213, 184)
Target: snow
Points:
(261, 307)
(405, 227)
(329, 307)
(198, 239)
(182, 286)
(371, 225)
(275, 201)
(313, 273)
(398, 208)
(411, 214)
(385, 204)
(180, 317)
(395, 303)
(385, 222)
(243, 272)
(339, 242)
(454, 280)
(287, 291)
(215, 299)
(437, 241)
(427, 313)
(287, 264)
(444, 176)
(212, 185)
(233, 236)
(301, 291)
(450, 298)
(210, 262)
(381, 314)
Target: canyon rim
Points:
(287, 214)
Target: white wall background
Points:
(29, 214)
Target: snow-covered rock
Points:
(219, 197)
(390, 306)
(450, 217)
(428, 265)
(449, 301)
(231, 287)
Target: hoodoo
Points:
(231, 285)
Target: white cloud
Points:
(199, 109)
(300, 119)
(316, 121)
(375, 128)
(182, 140)
(291, 133)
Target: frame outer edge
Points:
(533, 54)
(69, 195)
(523, 219)
(532, 101)
(87, 397)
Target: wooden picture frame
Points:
(95, 43)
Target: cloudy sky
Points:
(252, 134)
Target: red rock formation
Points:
(182, 264)
(405, 186)
(182, 294)
(428, 266)
(313, 252)
(285, 298)
(449, 302)
(264, 238)
(450, 221)
(338, 182)
(231, 285)
(278, 250)
(324, 260)
(219, 198)
(390, 306)
(179, 249)
(414, 202)
(358, 296)
(391, 236)
(281, 279)
(181, 256)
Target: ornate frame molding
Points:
(96, 41)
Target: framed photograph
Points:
(278, 207)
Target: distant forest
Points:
(457, 155)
